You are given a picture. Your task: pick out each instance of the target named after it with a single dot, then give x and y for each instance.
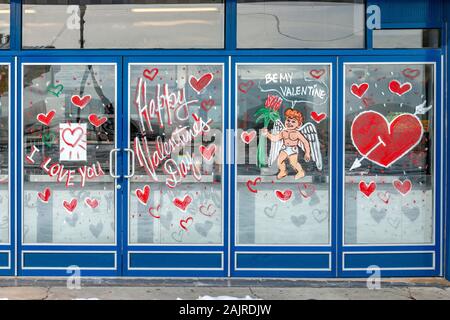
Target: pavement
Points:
(222, 289)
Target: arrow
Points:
(421, 109)
(358, 162)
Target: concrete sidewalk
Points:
(192, 289)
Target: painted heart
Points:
(177, 236)
(208, 211)
(382, 142)
(93, 203)
(151, 74)
(143, 194)
(394, 222)
(184, 223)
(206, 105)
(378, 215)
(46, 119)
(367, 189)
(153, 214)
(81, 102)
(245, 87)
(411, 73)
(298, 221)
(398, 88)
(72, 219)
(45, 196)
(283, 195)
(55, 90)
(320, 215)
(207, 152)
(248, 137)
(182, 204)
(70, 206)
(315, 200)
(199, 84)
(403, 187)
(72, 136)
(253, 183)
(96, 121)
(411, 213)
(359, 90)
(96, 229)
(317, 74)
(318, 117)
(271, 212)
(384, 196)
(48, 139)
(306, 189)
(203, 228)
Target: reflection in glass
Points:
(4, 154)
(176, 132)
(69, 131)
(389, 145)
(4, 24)
(123, 24)
(282, 154)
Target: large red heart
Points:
(46, 119)
(182, 204)
(81, 102)
(398, 88)
(382, 142)
(360, 90)
(70, 206)
(96, 121)
(72, 136)
(207, 152)
(45, 196)
(143, 194)
(199, 84)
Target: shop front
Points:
(223, 139)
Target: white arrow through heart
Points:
(358, 162)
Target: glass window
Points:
(282, 154)
(389, 153)
(176, 129)
(407, 38)
(123, 24)
(69, 130)
(4, 153)
(4, 24)
(300, 24)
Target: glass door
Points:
(391, 120)
(176, 199)
(69, 182)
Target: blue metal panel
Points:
(4, 259)
(176, 260)
(88, 260)
(282, 261)
(389, 260)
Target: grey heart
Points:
(411, 213)
(378, 215)
(177, 236)
(314, 200)
(203, 228)
(394, 222)
(97, 229)
(166, 220)
(298, 221)
(320, 215)
(271, 211)
(72, 219)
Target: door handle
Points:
(111, 156)
(131, 175)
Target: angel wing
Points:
(310, 132)
(275, 147)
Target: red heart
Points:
(199, 84)
(367, 189)
(96, 121)
(143, 194)
(306, 190)
(384, 196)
(150, 210)
(317, 74)
(185, 222)
(81, 102)
(93, 203)
(398, 88)
(403, 187)
(70, 206)
(411, 73)
(207, 104)
(70, 138)
(207, 152)
(318, 117)
(45, 196)
(46, 119)
(253, 183)
(246, 86)
(283, 195)
(397, 138)
(182, 204)
(151, 74)
(248, 137)
(360, 90)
